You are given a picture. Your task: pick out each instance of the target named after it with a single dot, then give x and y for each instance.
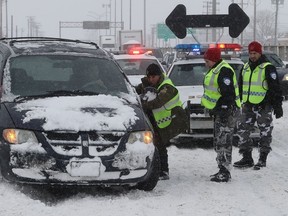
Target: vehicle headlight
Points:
(141, 136)
(17, 136)
(285, 77)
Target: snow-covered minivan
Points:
(69, 116)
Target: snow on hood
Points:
(100, 112)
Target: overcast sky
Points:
(48, 14)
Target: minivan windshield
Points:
(36, 75)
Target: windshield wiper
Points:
(55, 93)
(70, 93)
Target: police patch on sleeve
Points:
(273, 75)
(227, 81)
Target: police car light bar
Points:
(227, 46)
(188, 47)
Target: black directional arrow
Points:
(236, 20)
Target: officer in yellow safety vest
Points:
(164, 109)
(261, 94)
(221, 98)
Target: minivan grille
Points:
(83, 143)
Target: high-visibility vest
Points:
(211, 93)
(254, 83)
(162, 115)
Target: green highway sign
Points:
(163, 32)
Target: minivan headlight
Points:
(141, 136)
(17, 136)
(285, 77)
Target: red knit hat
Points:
(213, 54)
(255, 46)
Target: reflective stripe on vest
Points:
(254, 83)
(211, 93)
(162, 115)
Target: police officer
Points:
(164, 110)
(261, 94)
(221, 98)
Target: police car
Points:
(188, 75)
(134, 65)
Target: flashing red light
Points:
(229, 46)
(137, 51)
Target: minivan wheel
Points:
(150, 183)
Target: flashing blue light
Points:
(188, 47)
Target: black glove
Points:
(278, 111)
(223, 111)
(145, 82)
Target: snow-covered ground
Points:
(188, 192)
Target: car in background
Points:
(149, 50)
(169, 58)
(188, 75)
(70, 117)
(135, 65)
(282, 69)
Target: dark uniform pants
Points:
(224, 127)
(162, 149)
(263, 117)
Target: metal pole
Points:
(276, 22)
(110, 16)
(144, 36)
(6, 18)
(28, 29)
(1, 33)
(115, 20)
(11, 26)
(214, 12)
(241, 36)
(59, 29)
(122, 15)
(254, 27)
(130, 16)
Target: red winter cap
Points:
(255, 46)
(213, 54)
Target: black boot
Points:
(222, 176)
(262, 161)
(246, 161)
(164, 175)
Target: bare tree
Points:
(265, 25)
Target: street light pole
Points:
(130, 16)
(254, 23)
(6, 6)
(1, 19)
(277, 2)
(144, 35)
(115, 35)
